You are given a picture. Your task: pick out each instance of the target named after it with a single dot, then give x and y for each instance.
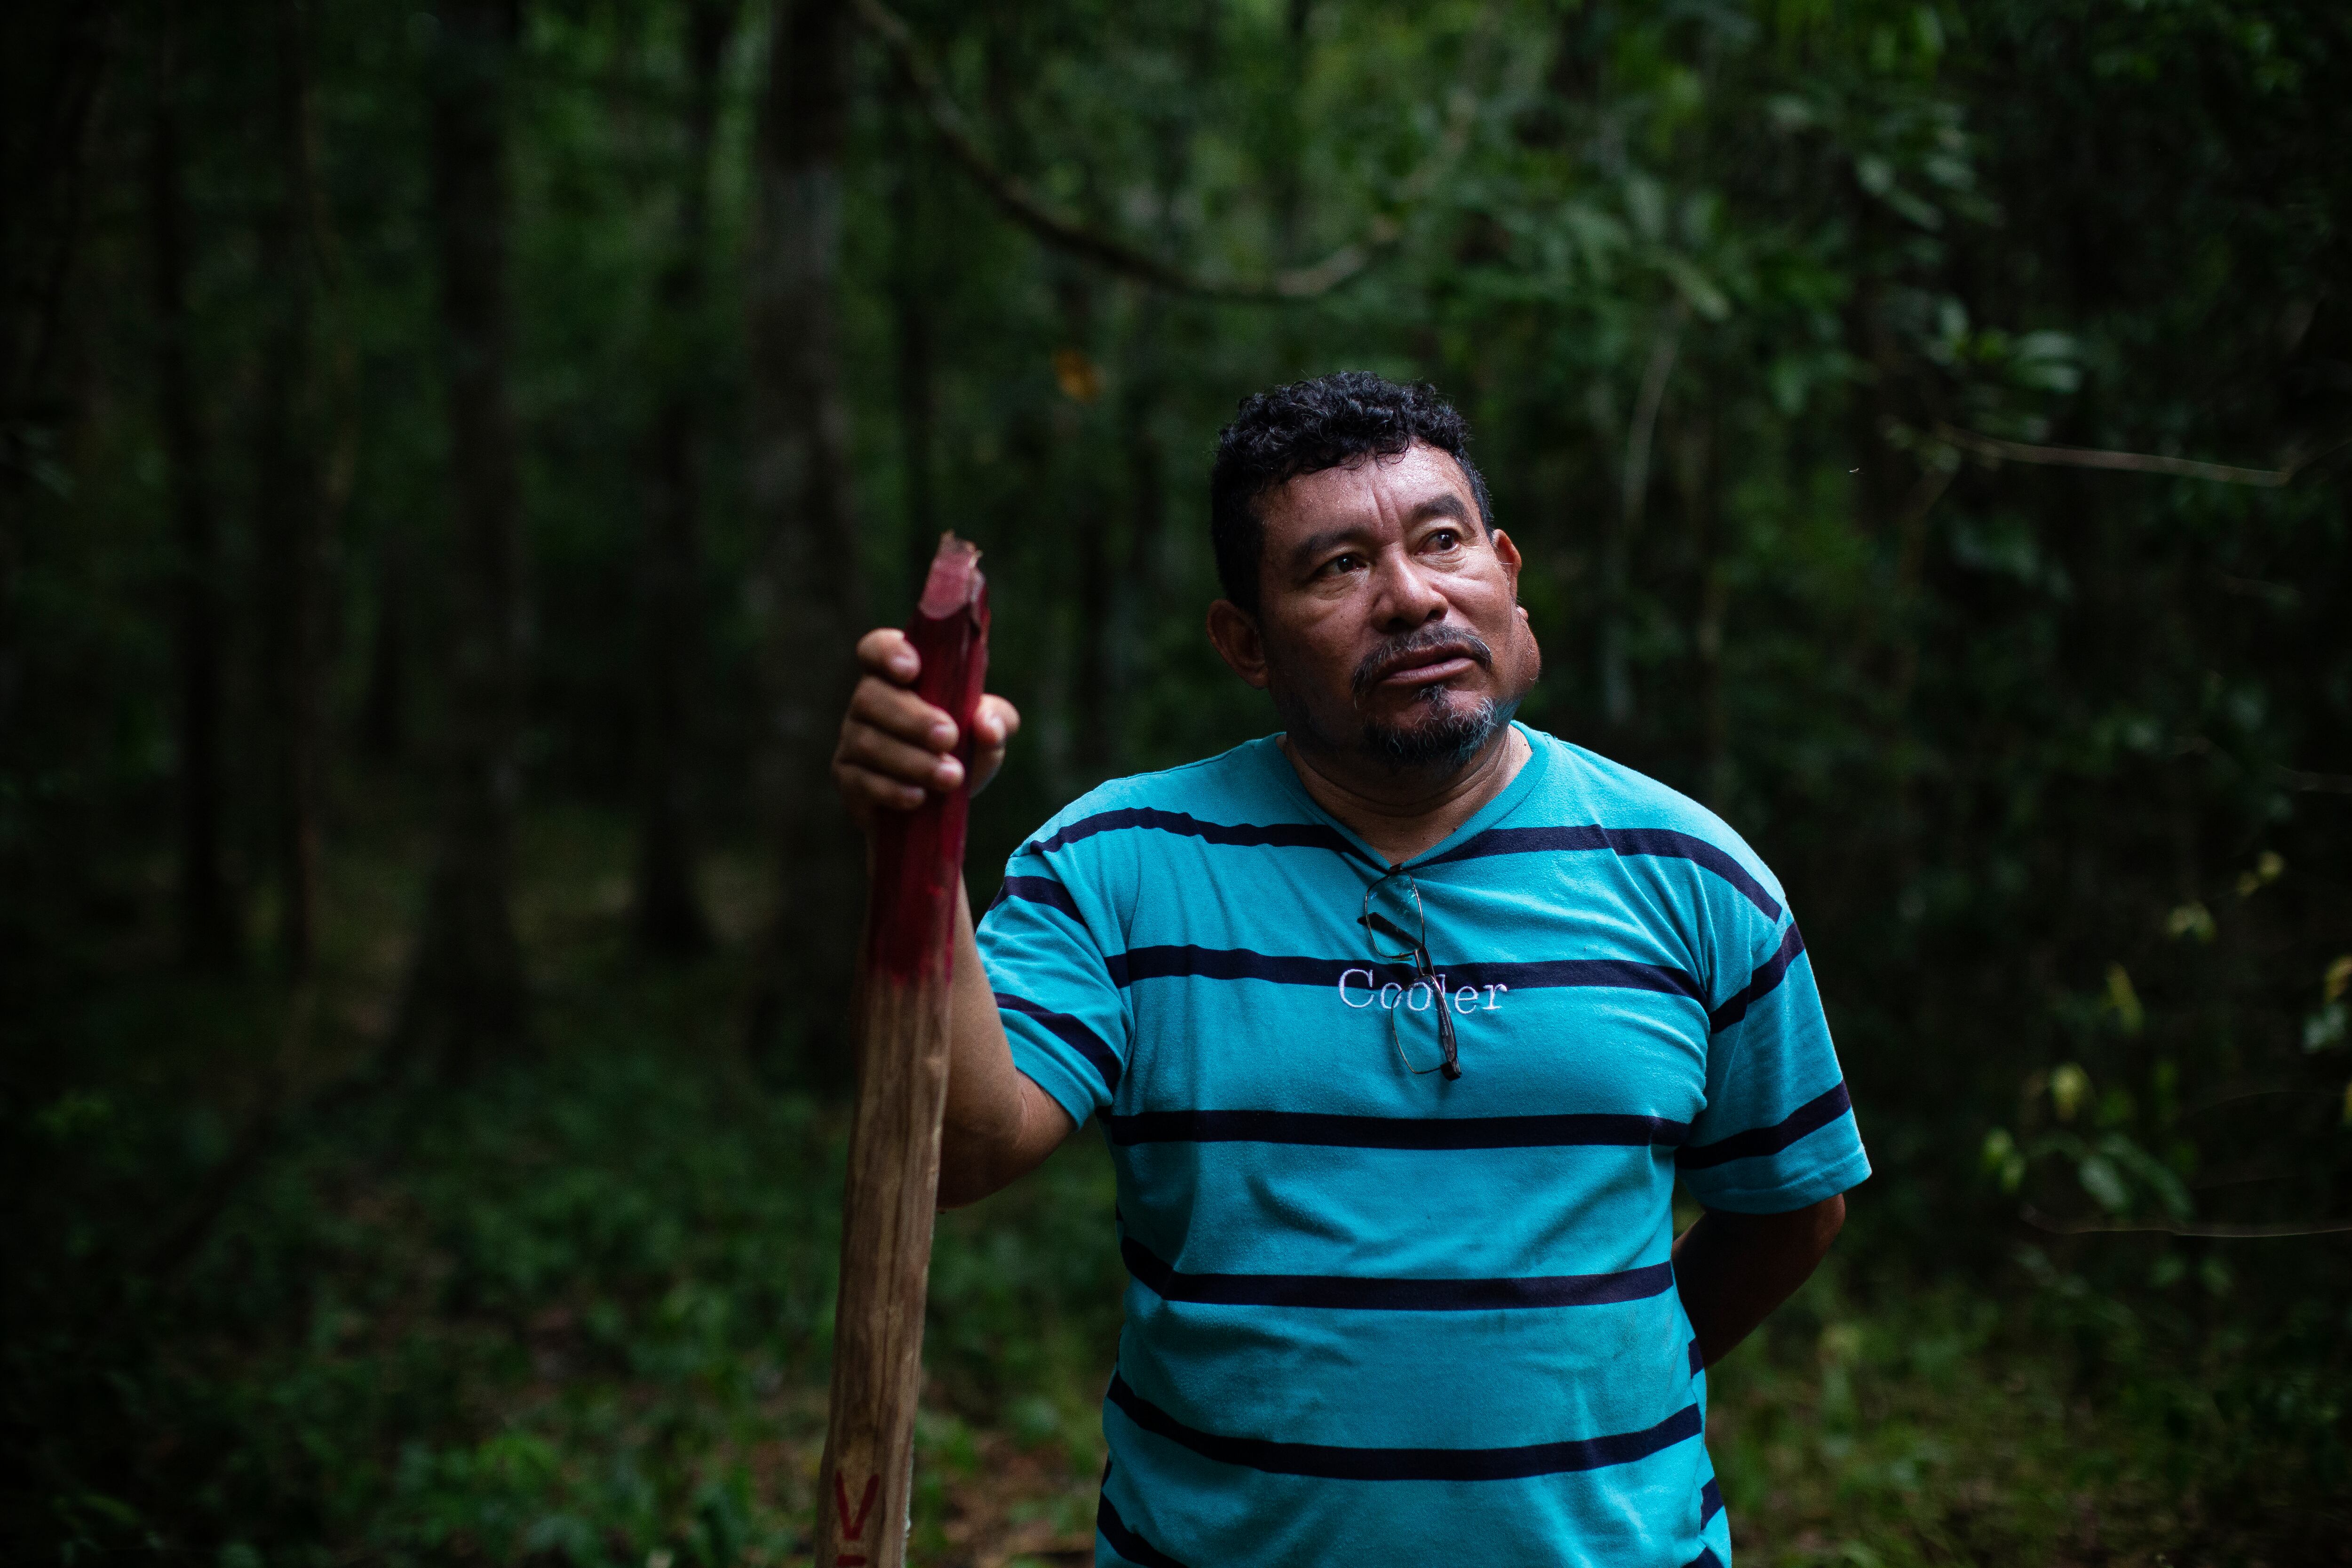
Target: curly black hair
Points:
(1304, 428)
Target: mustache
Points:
(1411, 646)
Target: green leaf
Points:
(2105, 1183)
(1694, 287)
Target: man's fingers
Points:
(873, 791)
(885, 651)
(894, 749)
(995, 722)
(877, 704)
(863, 746)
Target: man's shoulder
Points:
(1237, 789)
(1581, 788)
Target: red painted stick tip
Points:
(955, 582)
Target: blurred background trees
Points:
(448, 452)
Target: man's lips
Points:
(1427, 668)
(1428, 659)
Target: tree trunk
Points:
(1144, 388)
(1289, 175)
(50, 74)
(1097, 729)
(384, 704)
(1078, 435)
(1699, 477)
(207, 921)
(911, 284)
(1147, 485)
(667, 917)
(800, 495)
(465, 995)
(287, 508)
(1622, 528)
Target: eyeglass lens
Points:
(1398, 926)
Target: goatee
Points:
(1436, 734)
(1443, 742)
(1450, 735)
(1439, 730)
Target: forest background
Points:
(448, 451)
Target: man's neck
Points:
(1400, 816)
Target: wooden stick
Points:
(892, 1196)
(1996, 449)
(2040, 1221)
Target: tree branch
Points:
(1993, 449)
(1025, 208)
(2040, 1221)
(1652, 397)
(2331, 784)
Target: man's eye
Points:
(1352, 562)
(1443, 539)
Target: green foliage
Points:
(581, 1307)
(1740, 299)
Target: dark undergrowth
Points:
(304, 1308)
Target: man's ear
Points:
(1508, 554)
(1531, 661)
(1239, 643)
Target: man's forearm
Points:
(1733, 1269)
(999, 1124)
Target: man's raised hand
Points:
(895, 747)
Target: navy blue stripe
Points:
(1811, 1117)
(1239, 964)
(1697, 1359)
(1774, 970)
(1125, 1541)
(1705, 1559)
(1408, 1464)
(1659, 841)
(1618, 973)
(1325, 1130)
(1710, 1501)
(1089, 1044)
(1047, 890)
(1274, 835)
(1352, 1293)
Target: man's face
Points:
(1387, 629)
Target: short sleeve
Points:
(1778, 1130)
(1065, 1018)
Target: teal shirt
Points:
(1376, 1318)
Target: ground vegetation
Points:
(445, 452)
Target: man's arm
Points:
(999, 1126)
(894, 749)
(1732, 1269)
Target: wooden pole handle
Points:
(891, 1199)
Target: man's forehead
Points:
(1370, 491)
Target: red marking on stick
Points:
(918, 854)
(851, 1529)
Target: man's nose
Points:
(1405, 596)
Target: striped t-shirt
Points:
(1376, 1318)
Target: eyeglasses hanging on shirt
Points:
(1399, 929)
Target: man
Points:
(1401, 1024)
